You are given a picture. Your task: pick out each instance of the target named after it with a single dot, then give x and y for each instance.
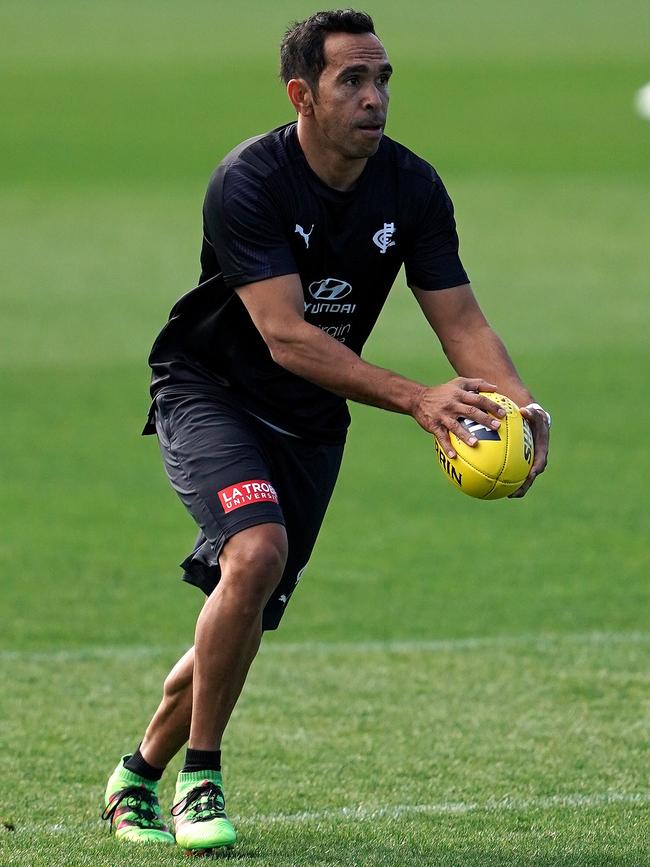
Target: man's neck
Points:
(333, 169)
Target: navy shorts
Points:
(233, 471)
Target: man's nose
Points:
(372, 97)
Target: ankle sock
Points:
(137, 764)
(201, 760)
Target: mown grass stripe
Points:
(569, 802)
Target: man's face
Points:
(352, 104)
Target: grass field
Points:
(456, 683)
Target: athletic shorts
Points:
(234, 471)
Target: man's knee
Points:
(252, 563)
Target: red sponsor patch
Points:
(247, 493)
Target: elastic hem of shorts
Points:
(224, 394)
(207, 577)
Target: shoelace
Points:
(206, 799)
(139, 800)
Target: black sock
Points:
(140, 766)
(202, 760)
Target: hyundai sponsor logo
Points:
(329, 289)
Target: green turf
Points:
(456, 682)
(527, 750)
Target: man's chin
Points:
(365, 149)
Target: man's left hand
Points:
(540, 427)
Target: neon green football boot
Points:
(199, 812)
(131, 806)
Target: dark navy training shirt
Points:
(266, 214)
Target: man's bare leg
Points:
(228, 635)
(169, 728)
(229, 628)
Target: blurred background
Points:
(114, 116)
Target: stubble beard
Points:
(359, 150)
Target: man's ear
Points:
(300, 96)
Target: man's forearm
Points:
(275, 306)
(312, 354)
(482, 353)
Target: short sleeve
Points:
(432, 261)
(244, 226)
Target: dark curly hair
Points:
(302, 54)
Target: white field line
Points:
(400, 811)
(455, 808)
(540, 641)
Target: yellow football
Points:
(499, 462)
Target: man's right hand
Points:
(437, 410)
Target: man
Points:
(305, 230)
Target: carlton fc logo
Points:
(329, 289)
(383, 238)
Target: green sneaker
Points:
(200, 820)
(131, 806)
